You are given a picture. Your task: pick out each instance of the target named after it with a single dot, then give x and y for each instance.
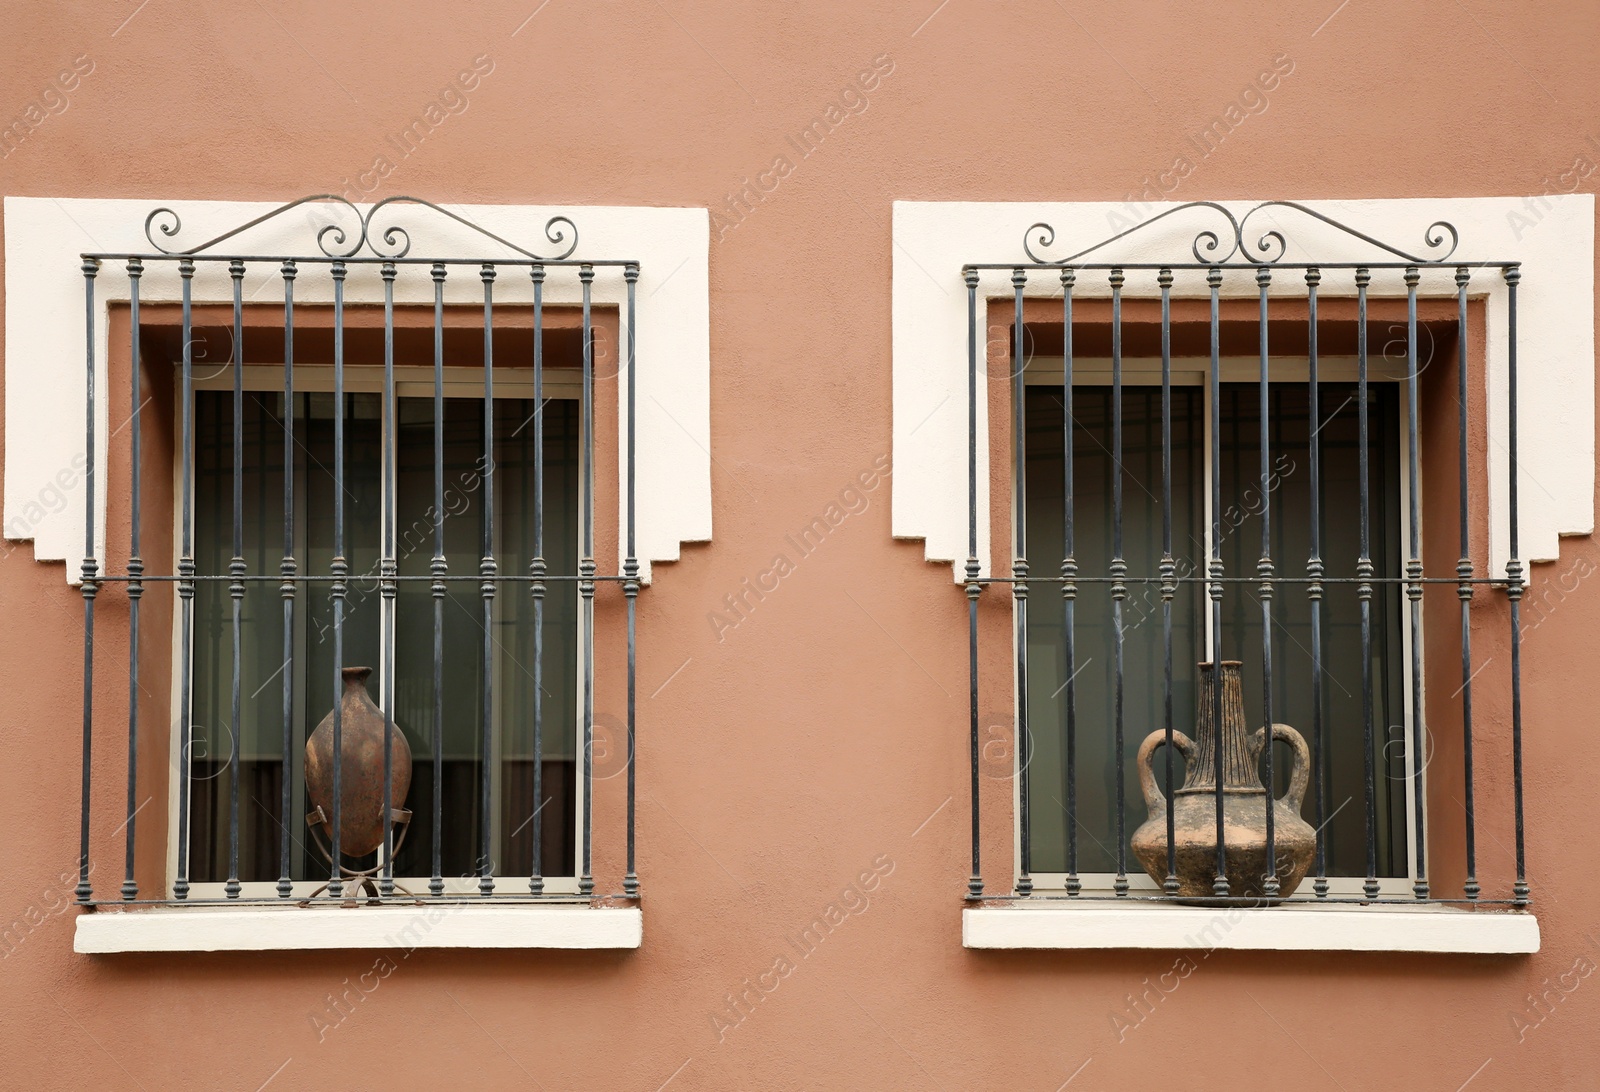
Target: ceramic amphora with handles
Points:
(1244, 805)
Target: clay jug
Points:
(361, 732)
(1244, 804)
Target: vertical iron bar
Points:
(536, 569)
(1219, 883)
(586, 585)
(486, 586)
(1019, 571)
(286, 587)
(1169, 570)
(437, 569)
(1269, 884)
(973, 588)
(1419, 886)
(630, 587)
(586, 572)
(340, 569)
(1069, 582)
(91, 268)
(1314, 588)
(180, 884)
(236, 573)
(1464, 589)
(1119, 569)
(1513, 276)
(388, 569)
(1364, 574)
(130, 888)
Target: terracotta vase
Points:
(361, 732)
(1244, 804)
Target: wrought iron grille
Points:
(1230, 250)
(347, 241)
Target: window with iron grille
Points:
(1289, 484)
(405, 487)
(1339, 773)
(263, 647)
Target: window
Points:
(1339, 778)
(261, 766)
(1275, 462)
(345, 476)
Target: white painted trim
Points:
(44, 337)
(1283, 928)
(1553, 238)
(206, 929)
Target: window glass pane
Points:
(514, 639)
(1093, 631)
(261, 693)
(261, 766)
(1343, 765)
(462, 668)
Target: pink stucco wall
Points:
(815, 754)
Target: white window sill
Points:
(442, 925)
(1283, 928)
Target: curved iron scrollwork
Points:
(1269, 248)
(1206, 240)
(334, 238)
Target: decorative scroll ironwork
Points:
(1268, 249)
(333, 237)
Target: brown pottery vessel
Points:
(361, 733)
(1244, 805)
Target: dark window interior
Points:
(1342, 771)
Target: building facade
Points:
(837, 509)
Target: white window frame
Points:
(933, 240)
(45, 339)
(46, 344)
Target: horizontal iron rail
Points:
(1400, 581)
(315, 578)
(1233, 901)
(456, 899)
(322, 259)
(1241, 267)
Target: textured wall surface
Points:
(813, 755)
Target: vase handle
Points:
(1300, 773)
(1154, 800)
